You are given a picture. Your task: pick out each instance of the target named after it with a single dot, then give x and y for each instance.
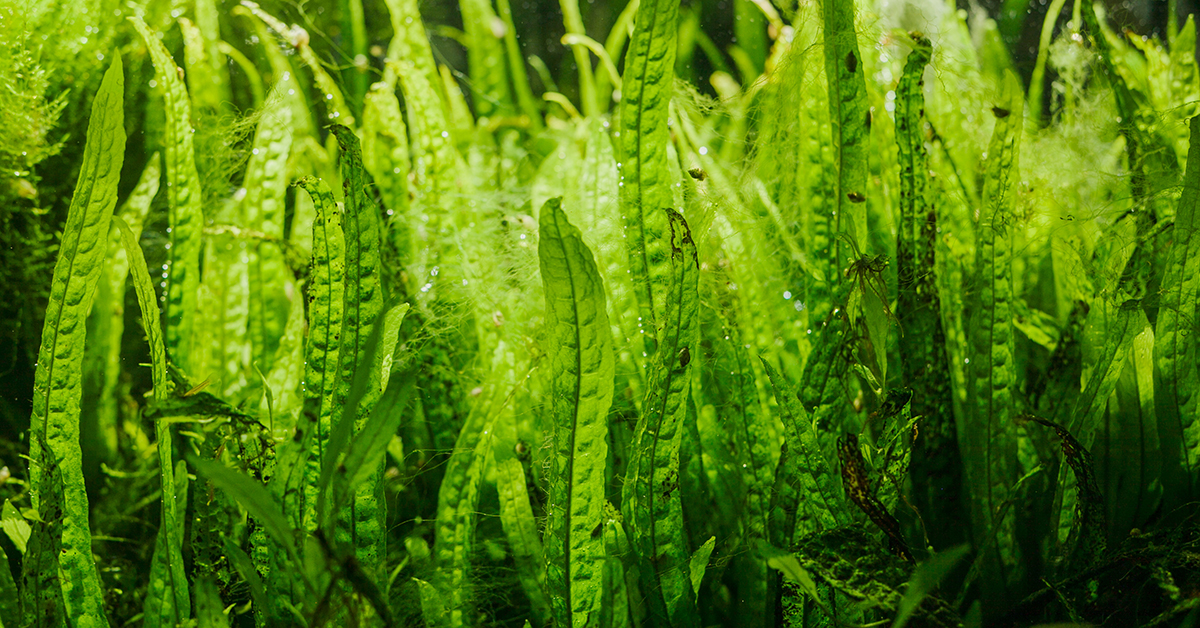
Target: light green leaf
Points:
(699, 562)
(990, 439)
(806, 468)
(321, 364)
(642, 156)
(54, 425)
(848, 112)
(1175, 367)
(486, 59)
(185, 212)
(516, 517)
(263, 210)
(651, 497)
(210, 612)
(364, 301)
(582, 363)
(167, 601)
(15, 526)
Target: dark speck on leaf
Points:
(855, 197)
(851, 62)
(1000, 112)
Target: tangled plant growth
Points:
(874, 337)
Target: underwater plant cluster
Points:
(806, 314)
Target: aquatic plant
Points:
(863, 328)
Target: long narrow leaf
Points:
(185, 213)
(651, 498)
(582, 364)
(1175, 369)
(990, 436)
(642, 157)
(54, 425)
(168, 602)
(848, 114)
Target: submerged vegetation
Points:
(862, 328)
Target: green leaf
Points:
(459, 493)
(185, 212)
(1135, 124)
(787, 564)
(1175, 369)
(263, 210)
(642, 157)
(224, 298)
(699, 563)
(15, 526)
(283, 398)
(41, 593)
(10, 597)
(410, 44)
(486, 59)
(1123, 326)
(386, 158)
(282, 72)
(365, 454)
(251, 496)
(1088, 539)
(366, 385)
(516, 67)
(848, 113)
(54, 425)
(573, 22)
(925, 580)
(210, 612)
(433, 609)
(207, 71)
(363, 305)
(326, 291)
(990, 439)
(936, 462)
(437, 166)
(167, 601)
(618, 579)
(582, 363)
(245, 568)
(364, 292)
(521, 529)
(738, 440)
(108, 322)
(651, 497)
(807, 471)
